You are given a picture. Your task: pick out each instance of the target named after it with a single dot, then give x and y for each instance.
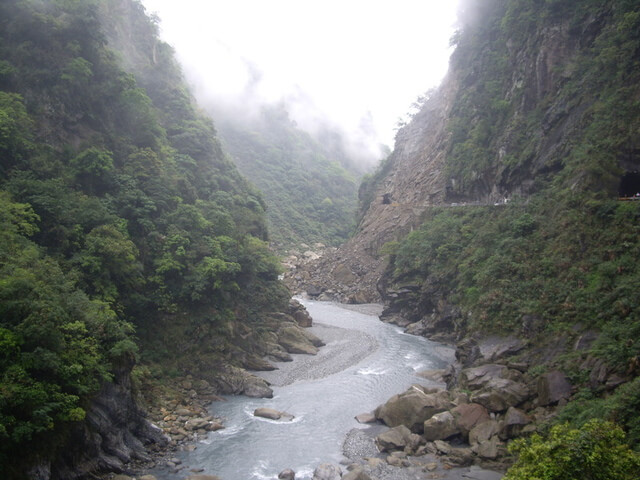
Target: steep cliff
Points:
(538, 97)
(508, 206)
(127, 235)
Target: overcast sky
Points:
(359, 62)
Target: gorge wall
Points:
(515, 113)
(505, 212)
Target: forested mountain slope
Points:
(126, 233)
(310, 186)
(499, 210)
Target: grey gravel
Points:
(344, 348)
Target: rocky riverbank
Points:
(386, 450)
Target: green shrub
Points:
(596, 451)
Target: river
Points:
(364, 363)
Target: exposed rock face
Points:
(415, 182)
(553, 387)
(297, 340)
(115, 432)
(299, 313)
(236, 381)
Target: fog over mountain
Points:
(355, 67)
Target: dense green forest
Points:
(309, 185)
(561, 257)
(126, 231)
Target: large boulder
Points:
(483, 432)
(327, 471)
(468, 415)
(488, 449)
(498, 394)
(513, 423)
(296, 340)
(272, 414)
(256, 387)
(287, 474)
(553, 387)
(440, 427)
(356, 474)
(478, 377)
(397, 438)
(343, 274)
(366, 418)
(236, 381)
(299, 313)
(413, 407)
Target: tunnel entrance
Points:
(630, 185)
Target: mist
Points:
(353, 68)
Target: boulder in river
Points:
(553, 387)
(413, 407)
(272, 414)
(287, 474)
(366, 418)
(327, 471)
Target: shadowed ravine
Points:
(363, 363)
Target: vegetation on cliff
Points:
(544, 136)
(310, 185)
(125, 229)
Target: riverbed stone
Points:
(477, 377)
(287, 474)
(488, 449)
(412, 408)
(272, 414)
(196, 423)
(203, 477)
(366, 418)
(514, 421)
(440, 427)
(434, 375)
(468, 416)
(356, 474)
(461, 456)
(442, 447)
(396, 438)
(327, 471)
(257, 388)
(483, 432)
